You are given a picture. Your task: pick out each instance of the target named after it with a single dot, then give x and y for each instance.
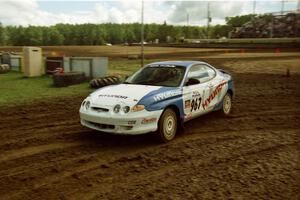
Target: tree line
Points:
(98, 34)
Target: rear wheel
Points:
(227, 104)
(167, 125)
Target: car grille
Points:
(99, 109)
(101, 126)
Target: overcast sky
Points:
(35, 12)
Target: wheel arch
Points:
(176, 109)
(230, 92)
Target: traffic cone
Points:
(277, 50)
(242, 51)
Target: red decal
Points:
(213, 94)
(148, 120)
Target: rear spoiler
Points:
(223, 71)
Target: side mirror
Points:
(192, 81)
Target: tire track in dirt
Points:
(140, 157)
(10, 155)
(139, 160)
(253, 153)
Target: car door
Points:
(194, 94)
(214, 87)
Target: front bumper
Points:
(132, 123)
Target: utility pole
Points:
(142, 35)
(187, 19)
(282, 6)
(208, 19)
(254, 7)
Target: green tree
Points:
(219, 31)
(238, 21)
(51, 36)
(2, 35)
(33, 35)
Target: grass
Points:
(16, 89)
(125, 67)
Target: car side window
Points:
(211, 72)
(201, 72)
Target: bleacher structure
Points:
(272, 25)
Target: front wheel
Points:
(167, 125)
(227, 104)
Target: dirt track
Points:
(254, 154)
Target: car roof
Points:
(177, 63)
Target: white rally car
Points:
(159, 97)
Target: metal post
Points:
(282, 6)
(142, 35)
(187, 19)
(272, 27)
(71, 64)
(208, 19)
(91, 68)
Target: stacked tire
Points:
(68, 78)
(4, 68)
(104, 81)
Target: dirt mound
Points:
(46, 153)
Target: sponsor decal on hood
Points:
(113, 96)
(127, 94)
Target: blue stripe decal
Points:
(162, 98)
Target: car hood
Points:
(124, 94)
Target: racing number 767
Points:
(196, 103)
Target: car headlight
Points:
(117, 108)
(87, 105)
(126, 109)
(137, 108)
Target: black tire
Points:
(167, 125)
(226, 105)
(68, 78)
(104, 81)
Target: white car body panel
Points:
(192, 101)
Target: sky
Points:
(46, 13)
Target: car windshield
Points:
(168, 76)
